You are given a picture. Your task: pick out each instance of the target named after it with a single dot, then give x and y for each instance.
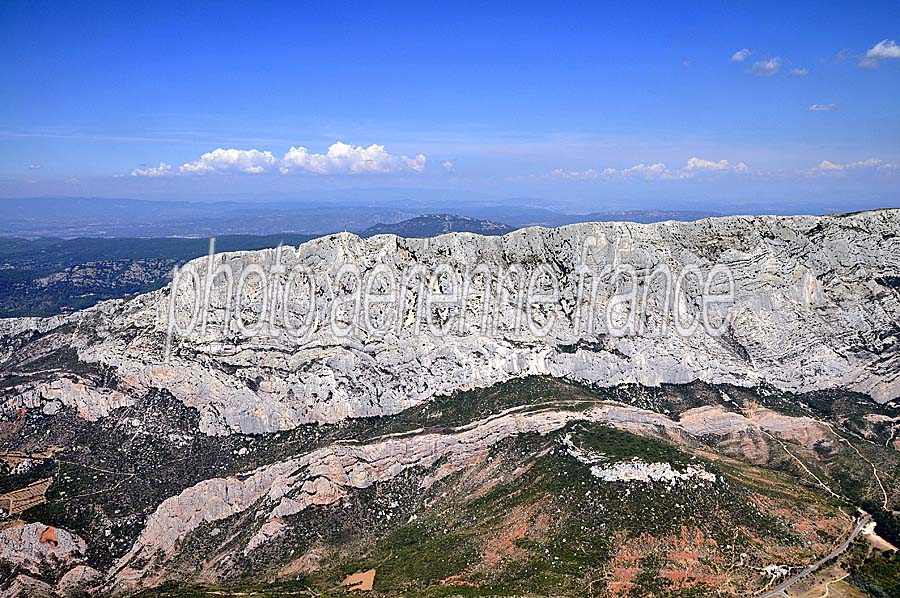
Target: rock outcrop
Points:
(35, 547)
(813, 308)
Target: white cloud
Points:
(224, 161)
(448, 165)
(700, 169)
(588, 174)
(870, 163)
(827, 166)
(766, 68)
(162, 170)
(843, 55)
(652, 171)
(655, 171)
(348, 159)
(341, 158)
(740, 55)
(35, 166)
(799, 72)
(822, 107)
(701, 164)
(886, 48)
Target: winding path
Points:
(781, 590)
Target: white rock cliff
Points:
(815, 306)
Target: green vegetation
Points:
(44, 277)
(876, 574)
(620, 445)
(415, 557)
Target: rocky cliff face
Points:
(813, 308)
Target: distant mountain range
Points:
(99, 217)
(431, 225)
(71, 217)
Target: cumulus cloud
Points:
(766, 68)
(340, 158)
(224, 161)
(822, 107)
(344, 158)
(162, 170)
(799, 72)
(843, 55)
(886, 48)
(449, 165)
(647, 171)
(740, 55)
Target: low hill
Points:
(430, 225)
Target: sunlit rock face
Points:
(360, 327)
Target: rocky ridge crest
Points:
(811, 310)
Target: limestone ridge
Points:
(814, 308)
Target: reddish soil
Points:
(48, 536)
(524, 520)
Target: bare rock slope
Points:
(815, 306)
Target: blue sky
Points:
(583, 105)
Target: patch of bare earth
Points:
(691, 560)
(362, 581)
(306, 564)
(523, 521)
